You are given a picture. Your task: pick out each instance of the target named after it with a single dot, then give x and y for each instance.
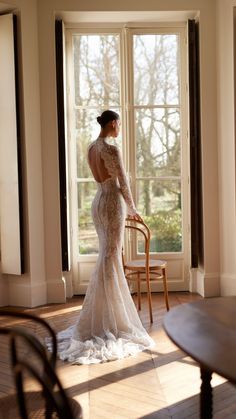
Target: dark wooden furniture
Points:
(206, 330)
(30, 358)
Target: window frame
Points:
(127, 111)
(181, 30)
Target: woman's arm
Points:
(124, 185)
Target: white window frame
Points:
(126, 31)
(131, 145)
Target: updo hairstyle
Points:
(106, 117)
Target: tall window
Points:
(141, 75)
(96, 74)
(156, 78)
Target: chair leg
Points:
(165, 288)
(139, 292)
(149, 297)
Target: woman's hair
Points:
(106, 117)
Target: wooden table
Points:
(206, 330)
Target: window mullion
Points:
(163, 106)
(157, 178)
(129, 143)
(129, 110)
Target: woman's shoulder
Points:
(113, 149)
(91, 145)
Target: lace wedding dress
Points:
(108, 326)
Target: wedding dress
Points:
(108, 326)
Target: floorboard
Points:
(158, 383)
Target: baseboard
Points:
(205, 284)
(27, 294)
(212, 284)
(21, 292)
(67, 276)
(24, 293)
(56, 290)
(227, 284)
(4, 294)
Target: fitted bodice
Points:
(110, 157)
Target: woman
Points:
(108, 327)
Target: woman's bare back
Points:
(106, 163)
(97, 165)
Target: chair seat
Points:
(139, 264)
(36, 407)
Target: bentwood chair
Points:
(146, 268)
(29, 360)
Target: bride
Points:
(108, 326)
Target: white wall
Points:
(29, 289)
(43, 281)
(226, 135)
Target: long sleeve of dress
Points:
(123, 182)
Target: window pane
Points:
(96, 70)
(87, 130)
(159, 203)
(87, 240)
(158, 142)
(156, 69)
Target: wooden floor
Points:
(159, 383)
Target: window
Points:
(96, 80)
(139, 73)
(156, 108)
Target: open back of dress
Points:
(97, 164)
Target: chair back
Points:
(140, 226)
(38, 364)
(52, 356)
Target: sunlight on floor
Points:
(162, 383)
(61, 311)
(186, 371)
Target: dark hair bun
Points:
(106, 117)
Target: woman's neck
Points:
(104, 133)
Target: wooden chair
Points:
(152, 268)
(29, 357)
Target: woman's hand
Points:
(135, 217)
